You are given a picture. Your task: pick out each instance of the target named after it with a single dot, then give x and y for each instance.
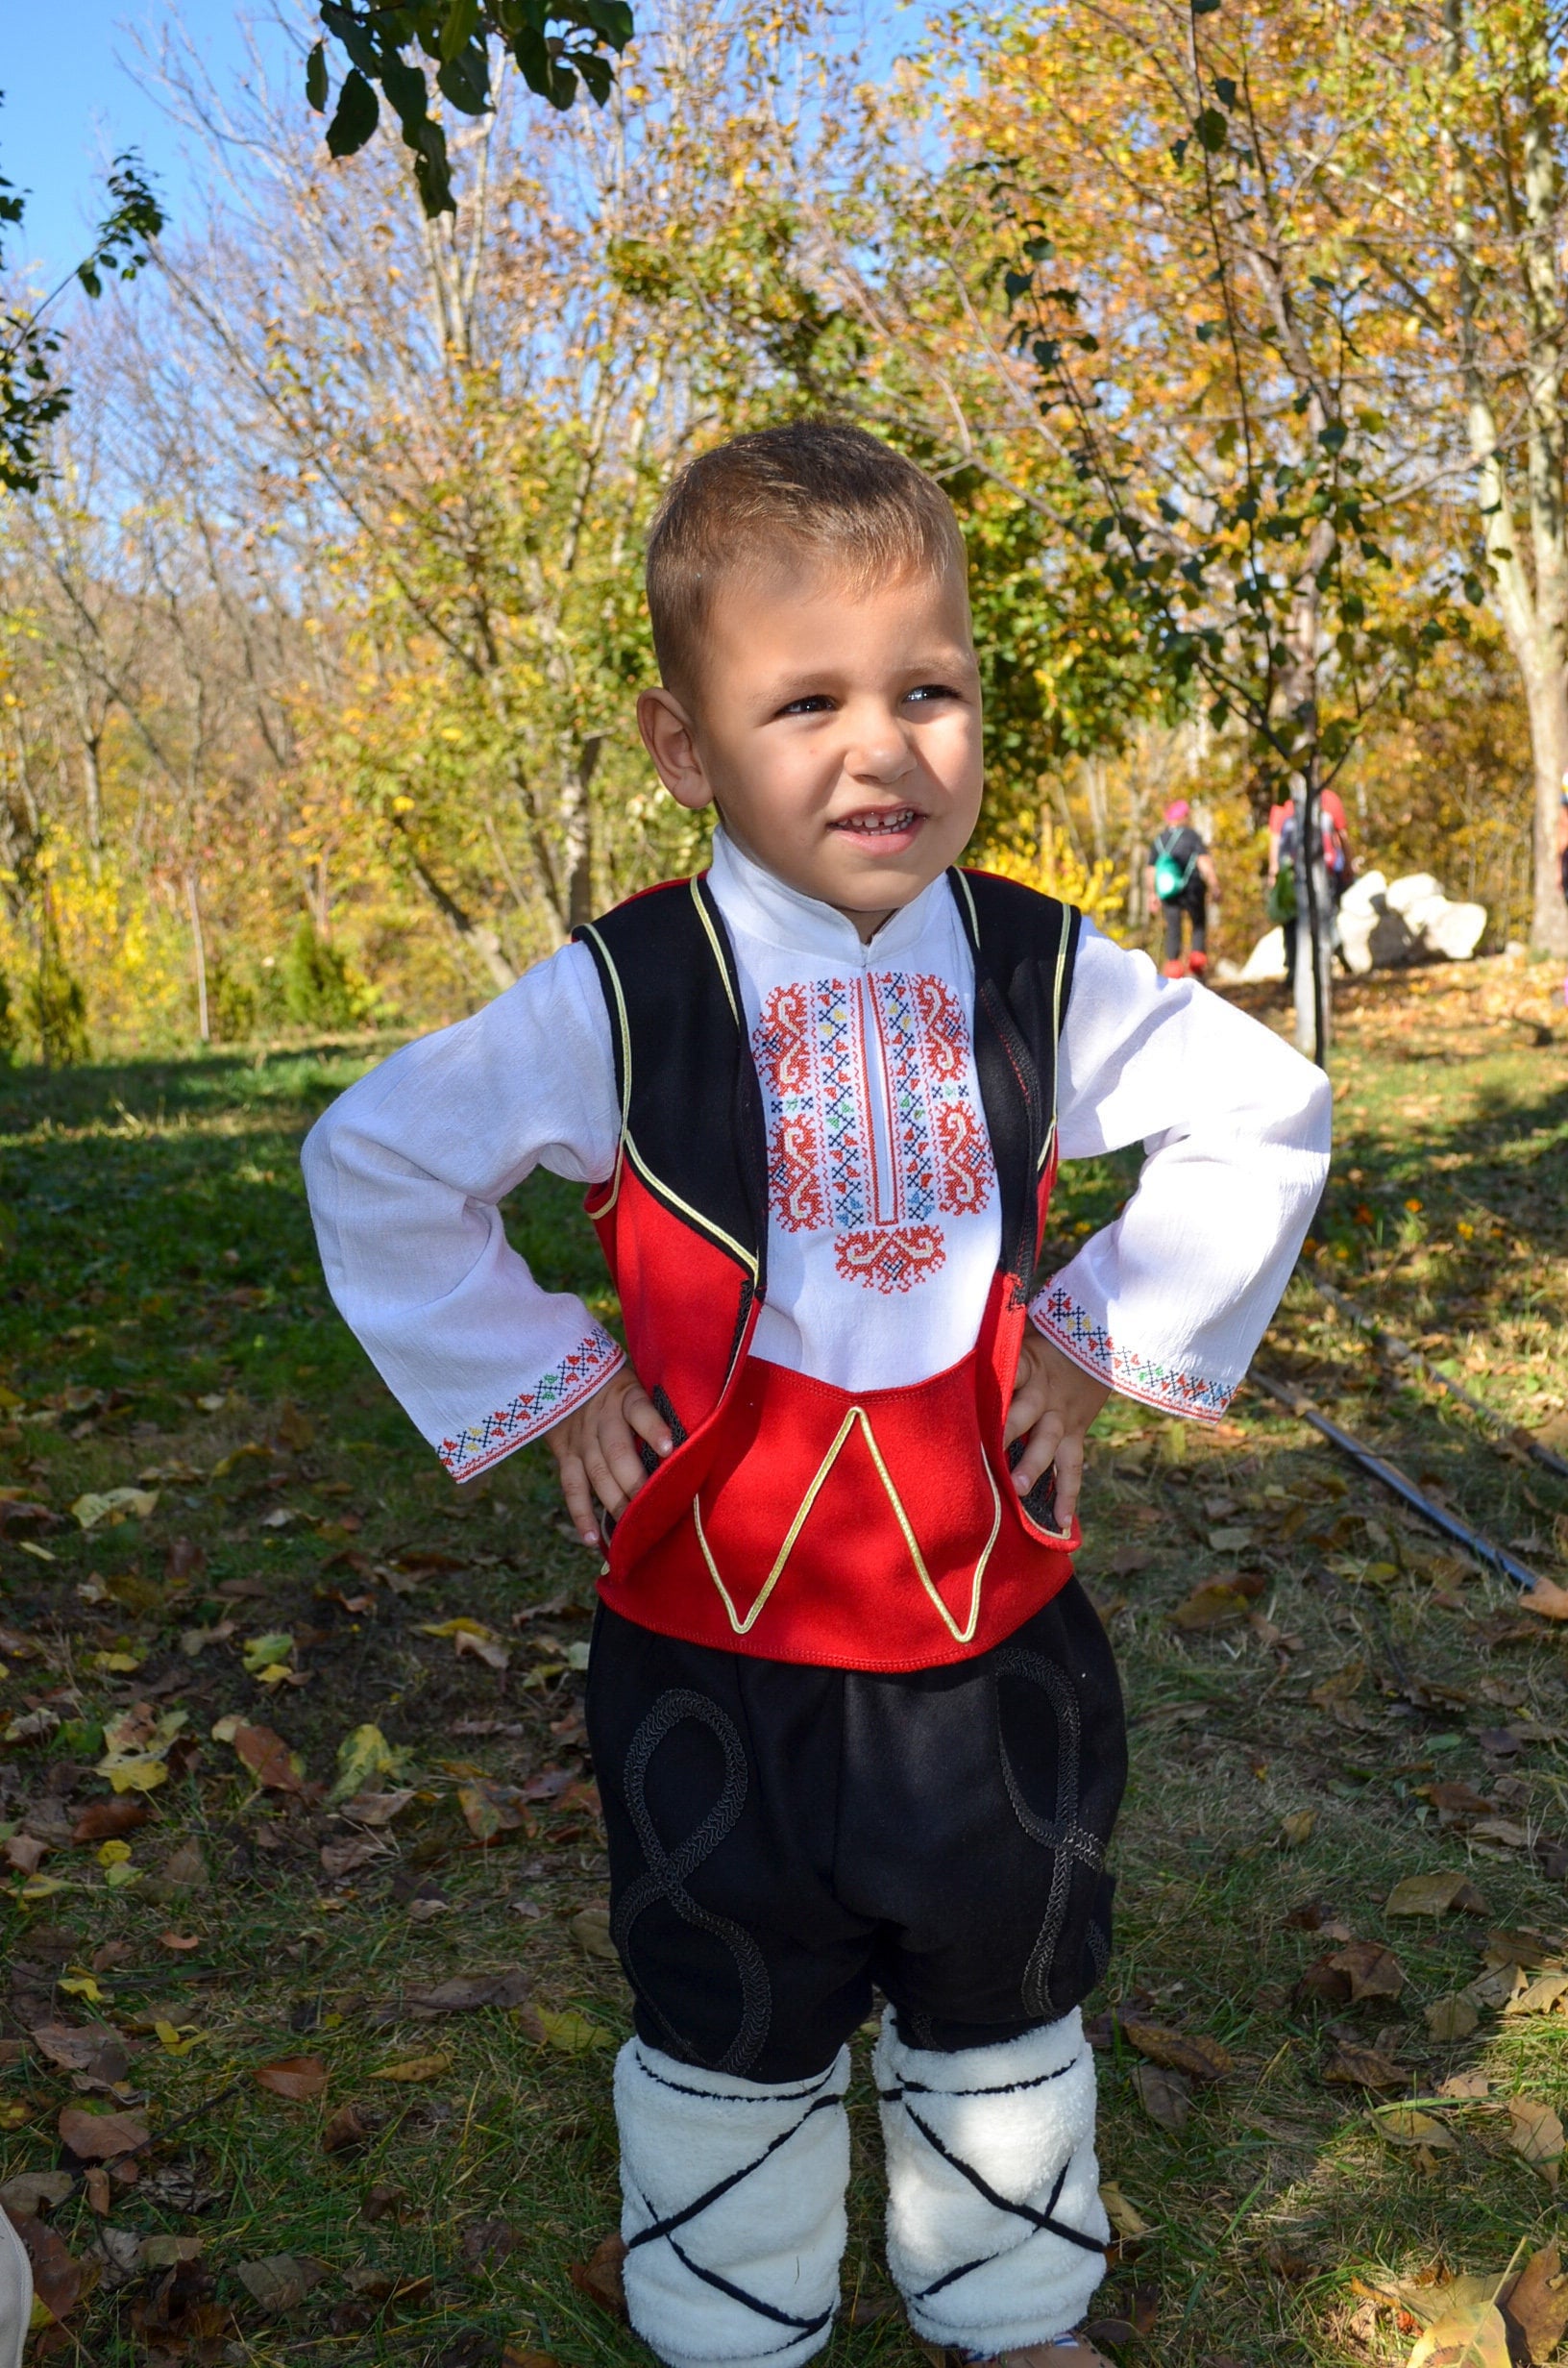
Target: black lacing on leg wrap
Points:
(1071, 1844)
(816, 2100)
(1040, 2222)
(669, 1869)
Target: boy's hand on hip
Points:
(1054, 1402)
(596, 1450)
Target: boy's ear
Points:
(669, 740)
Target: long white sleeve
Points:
(1170, 1303)
(403, 1174)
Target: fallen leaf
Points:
(26, 2195)
(1215, 1605)
(486, 1648)
(184, 1869)
(1536, 2304)
(599, 2278)
(296, 2078)
(280, 2281)
(1434, 1895)
(1297, 1828)
(107, 1820)
(1536, 2134)
(1466, 2087)
(1339, 1687)
(93, 2050)
(487, 2243)
(1164, 2096)
(1450, 2018)
(100, 2138)
(590, 1928)
(363, 1756)
(1402, 2125)
(491, 1808)
(58, 2280)
(1546, 1599)
(572, 2031)
(344, 1858)
(1541, 1996)
(169, 2252)
(1124, 2216)
(375, 1809)
(261, 1653)
(348, 2128)
(466, 1992)
(115, 1505)
(1351, 2067)
(415, 2068)
(1369, 1970)
(269, 1759)
(1199, 2056)
(1472, 2338)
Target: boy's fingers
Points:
(646, 1419)
(1027, 1405)
(1040, 1450)
(602, 1480)
(579, 1504)
(1069, 1477)
(617, 1447)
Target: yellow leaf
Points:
(115, 1505)
(1470, 2338)
(1535, 2133)
(141, 1773)
(572, 2031)
(41, 1886)
(171, 2041)
(415, 2068)
(82, 1985)
(1124, 2216)
(1402, 2125)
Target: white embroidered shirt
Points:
(884, 1219)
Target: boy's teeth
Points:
(881, 821)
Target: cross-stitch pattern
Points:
(1061, 1318)
(550, 1399)
(811, 1049)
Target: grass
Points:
(164, 1315)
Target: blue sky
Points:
(70, 105)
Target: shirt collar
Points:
(758, 903)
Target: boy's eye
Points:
(926, 692)
(817, 703)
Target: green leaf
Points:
(316, 84)
(466, 82)
(356, 117)
(1224, 90)
(1211, 127)
(364, 1757)
(461, 25)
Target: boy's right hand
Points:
(596, 1450)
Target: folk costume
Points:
(855, 1725)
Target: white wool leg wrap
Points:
(15, 2294)
(995, 2228)
(733, 2211)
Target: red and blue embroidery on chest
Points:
(872, 1130)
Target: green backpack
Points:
(1170, 874)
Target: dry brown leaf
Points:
(590, 1928)
(269, 1760)
(100, 2138)
(1297, 1828)
(111, 1819)
(1536, 2304)
(1403, 2124)
(491, 1808)
(599, 2278)
(27, 2195)
(1465, 2087)
(93, 2051)
(1193, 2053)
(297, 2079)
(1536, 2134)
(1216, 1605)
(1164, 2096)
(1124, 2215)
(1541, 1996)
(415, 2068)
(486, 1648)
(1369, 1970)
(1434, 1895)
(1339, 1687)
(1450, 2018)
(1352, 2066)
(279, 2282)
(1546, 1599)
(375, 1809)
(59, 2282)
(466, 1992)
(345, 1858)
(346, 2130)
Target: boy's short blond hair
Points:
(814, 492)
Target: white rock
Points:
(1413, 889)
(1266, 959)
(1357, 923)
(1364, 894)
(1455, 931)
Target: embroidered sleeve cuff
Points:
(1070, 1327)
(549, 1401)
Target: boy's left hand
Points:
(1054, 1402)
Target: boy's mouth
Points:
(888, 825)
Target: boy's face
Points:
(837, 732)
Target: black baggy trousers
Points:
(783, 1837)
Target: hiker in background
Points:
(1180, 879)
(1338, 869)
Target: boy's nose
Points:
(880, 754)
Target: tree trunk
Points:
(578, 832)
(94, 802)
(1546, 693)
(198, 940)
(475, 936)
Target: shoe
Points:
(1197, 964)
(1057, 2352)
(1176, 969)
(16, 2293)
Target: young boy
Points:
(853, 1721)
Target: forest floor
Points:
(311, 2008)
